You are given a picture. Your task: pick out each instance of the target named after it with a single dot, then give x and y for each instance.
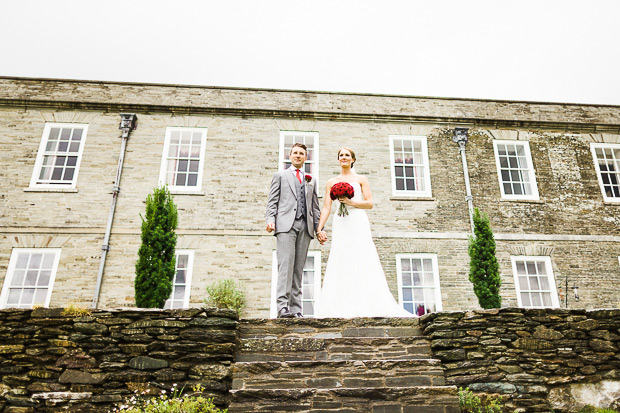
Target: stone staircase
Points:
(379, 365)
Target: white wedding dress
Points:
(354, 284)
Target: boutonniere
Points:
(308, 178)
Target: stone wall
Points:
(51, 362)
(538, 359)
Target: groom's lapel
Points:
(288, 174)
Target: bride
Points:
(354, 284)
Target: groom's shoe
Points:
(285, 313)
(299, 315)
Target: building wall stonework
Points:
(224, 222)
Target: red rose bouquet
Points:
(341, 189)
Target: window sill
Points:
(614, 203)
(526, 201)
(412, 198)
(187, 193)
(67, 190)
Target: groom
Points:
(293, 214)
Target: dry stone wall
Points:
(53, 362)
(537, 359)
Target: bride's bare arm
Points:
(366, 203)
(327, 206)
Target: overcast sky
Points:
(542, 50)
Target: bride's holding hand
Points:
(354, 284)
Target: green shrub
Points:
(471, 403)
(175, 402)
(483, 267)
(225, 294)
(156, 258)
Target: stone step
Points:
(329, 328)
(335, 374)
(419, 399)
(323, 349)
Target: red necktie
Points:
(298, 176)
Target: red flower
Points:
(341, 189)
(308, 178)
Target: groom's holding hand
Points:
(293, 213)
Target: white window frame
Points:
(8, 279)
(437, 285)
(593, 148)
(427, 193)
(534, 196)
(163, 171)
(555, 302)
(41, 155)
(283, 155)
(316, 255)
(188, 278)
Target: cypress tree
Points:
(483, 267)
(156, 258)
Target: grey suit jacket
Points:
(282, 203)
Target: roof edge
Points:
(111, 82)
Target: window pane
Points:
(534, 283)
(520, 267)
(182, 261)
(416, 279)
(40, 296)
(179, 292)
(536, 300)
(77, 134)
(406, 280)
(308, 292)
(31, 277)
(408, 307)
(308, 277)
(13, 298)
(523, 285)
(35, 261)
(27, 296)
(418, 295)
(22, 260)
(18, 278)
(531, 268)
(525, 300)
(65, 135)
(308, 308)
(44, 278)
(180, 277)
(192, 180)
(405, 264)
(407, 294)
(546, 298)
(54, 133)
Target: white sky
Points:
(542, 50)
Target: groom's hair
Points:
(301, 145)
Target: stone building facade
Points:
(547, 175)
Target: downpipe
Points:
(127, 125)
(460, 137)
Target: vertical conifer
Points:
(483, 267)
(156, 258)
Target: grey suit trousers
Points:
(292, 250)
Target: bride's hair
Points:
(350, 151)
